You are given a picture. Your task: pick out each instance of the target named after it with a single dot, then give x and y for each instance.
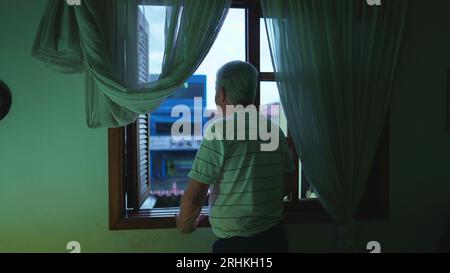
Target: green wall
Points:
(420, 144)
(53, 169)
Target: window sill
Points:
(303, 211)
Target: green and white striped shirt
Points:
(248, 184)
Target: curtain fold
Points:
(335, 62)
(95, 37)
(57, 40)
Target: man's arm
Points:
(191, 205)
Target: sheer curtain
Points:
(335, 62)
(94, 37)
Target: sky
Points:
(229, 46)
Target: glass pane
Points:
(306, 191)
(265, 59)
(300, 179)
(229, 46)
(271, 105)
(271, 98)
(155, 16)
(171, 157)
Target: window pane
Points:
(172, 158)
(155, 16)
(265, 59)
(271, 105)
(229, 46)
(271, 98)
(306, 191)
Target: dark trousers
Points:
(273, 240)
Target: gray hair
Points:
(239, 79)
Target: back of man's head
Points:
(239, 80)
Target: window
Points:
(170, 158)
(147, 168)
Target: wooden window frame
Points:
(374, 203)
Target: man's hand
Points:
(181, 227)
(199, 220)
(188, 230)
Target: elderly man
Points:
(248, 182)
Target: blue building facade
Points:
(171, 157)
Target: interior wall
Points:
(420, 142)
(53, 169)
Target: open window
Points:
(148, 168)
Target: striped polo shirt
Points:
(248, 182)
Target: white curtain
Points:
(335, 62)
